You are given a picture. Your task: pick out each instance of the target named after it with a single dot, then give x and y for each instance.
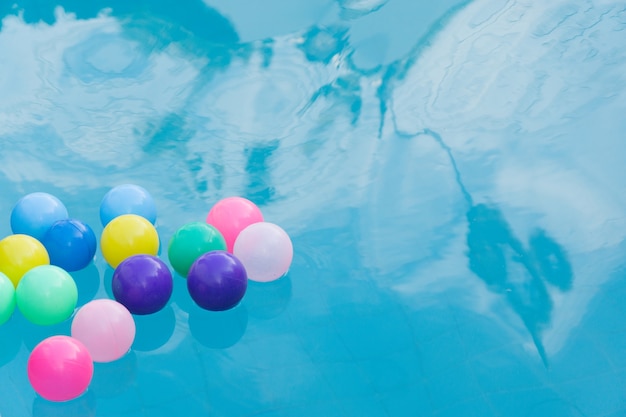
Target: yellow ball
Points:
(19, 254)
(128, 235)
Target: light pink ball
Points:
(231, 215)
(106, 327)
(265, 250)
(60, 368)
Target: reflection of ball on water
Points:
(191, 241)
(112, 379)
(217, 281)
(83, 406)
(265, 250)
(267, 300)
(154, 330)
(218, 329)
(88, 282)
(106, 328)
(7, 298)
(19, 254)
(71, 244)
(143, 284)
(231, 215)
(60, 368)
(128, 235)
(47, 295)
(11, 335)
(127, 199)
(33, 333)
(34, 213)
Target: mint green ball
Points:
(47, 295)
(7, 298)
(190, 242)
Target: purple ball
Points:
(143, 284)
(217, 281)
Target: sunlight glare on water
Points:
(449, 173)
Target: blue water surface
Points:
(451, 174)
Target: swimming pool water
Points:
(451, 175)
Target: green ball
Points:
(7, 298)
(191, 241)
(47, 295)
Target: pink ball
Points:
(231, 215)
(60, 368)
(106, 328)
(265, 250)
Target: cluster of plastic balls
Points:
(216, 256)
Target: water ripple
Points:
(534, 65)
(517, 101)
(442, 186)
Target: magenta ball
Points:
(143, 284)
(217, 281)
(60, 368)
(106, 328)
(231, 215)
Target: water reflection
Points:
(218, 329)
(345, 93)
(451, 86)
(83, 406)
(108, 280)
(114, 378)
(552, 260)
(167, 95)
(509, 268)
(268, 300)
(292, 123)
(180, 293)
(88, 283)
(496, 256)
(321, 44)
(273, 19)
(11, 340)
(352, 9)
(177, 22)
(154, 330)
(123, 51)
(33, 334)
(259, 187)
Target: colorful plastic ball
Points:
(19, 254)
(143, 284)
(106, 328)
(60, 368)
(265, 250)
(217, 281)
(71, 244)
(231, 215)
(128, 235)
(191, 241)
(47, 295)
(34, 213)
(127, 199)
(7, 298)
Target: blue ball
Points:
(34, 213)
(127, 199)
(71, 244)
